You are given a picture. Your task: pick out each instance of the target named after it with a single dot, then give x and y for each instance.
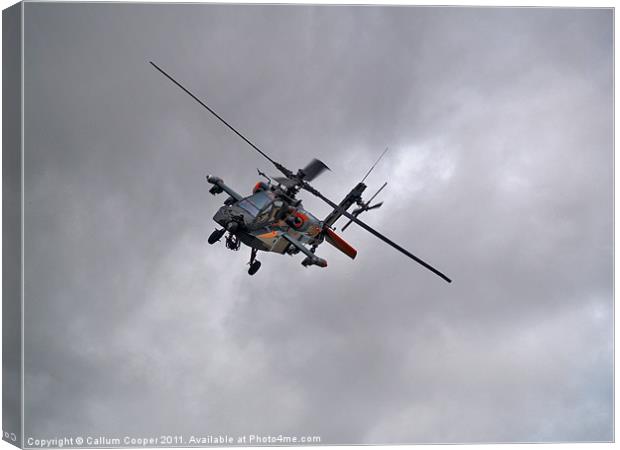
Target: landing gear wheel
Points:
(254, 267)
(215, 236)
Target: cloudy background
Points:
(499, 123)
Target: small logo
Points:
(10, 436)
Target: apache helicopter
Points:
(272, 219)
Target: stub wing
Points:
(311, 258)
(219, 187)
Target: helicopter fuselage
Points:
(265, 222)
(269, 220)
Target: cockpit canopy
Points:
(261, 206)
(257, 202)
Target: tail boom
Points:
(352, 197)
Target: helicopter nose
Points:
(231, 217)
(222, 216)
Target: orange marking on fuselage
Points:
(269, 235)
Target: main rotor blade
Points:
(371, 230)
(376, 162)
(376, 193)
(279, 166)
(314, 169)
(286, 182)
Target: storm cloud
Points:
(499, 123)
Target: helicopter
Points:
(273, 219)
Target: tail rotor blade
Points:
(367, 207)
(348, 223)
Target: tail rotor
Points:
(365, 206)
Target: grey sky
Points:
(500, 173)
